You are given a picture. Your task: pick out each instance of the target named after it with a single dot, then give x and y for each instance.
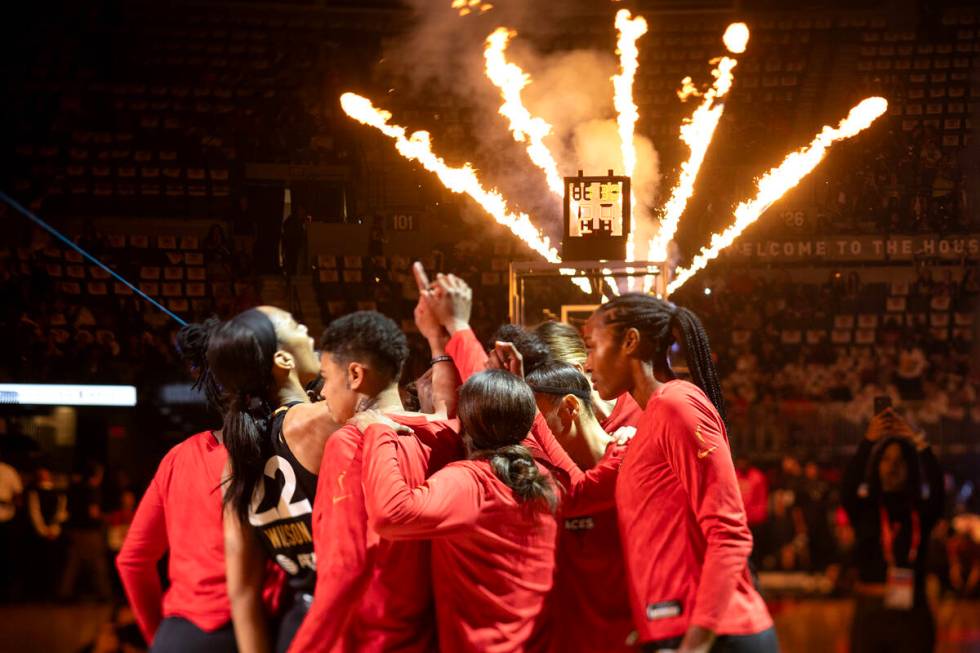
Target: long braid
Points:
(699, 360)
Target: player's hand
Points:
(504, 356)
(623, 435)
(427, 322)
(451, 300)
(361, 421)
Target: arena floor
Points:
(817, 626)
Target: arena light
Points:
(43, 394)
(779, 180)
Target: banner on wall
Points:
(858, 248)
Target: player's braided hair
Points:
(192, 346)
(655, 319)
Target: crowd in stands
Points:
(786, 348)
(897, 182)
(66, 318)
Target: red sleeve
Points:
(697, 450)
(341, 542)
(145, 543)
(467, 353)
(556, 455)
(596, 489)
(449, 501)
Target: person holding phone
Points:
(893, 494)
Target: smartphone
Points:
(882, 403)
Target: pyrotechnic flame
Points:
(736, 37)
(775, 183)
(630, 30)
(467, 7)
(697, 133)
(510, 79)
(418, 147)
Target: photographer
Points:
(893, 494)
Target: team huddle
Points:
(556, 491)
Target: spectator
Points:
(911, 366)
(892, 511)
(11, 489)
(117, 525)
(815, 504)
(47, 506)
(787, 530)
(85, 530)
(755, 494)
(963, 549)
(294, 241)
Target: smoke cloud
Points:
(443, 55)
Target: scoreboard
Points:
(597, 217)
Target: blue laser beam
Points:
(60, 236)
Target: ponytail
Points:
(497, 410)
(515, 467)
(245, 435)
(240, 355)
(654, 319)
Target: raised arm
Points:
(448, 502)
(443, 379)
(145, 543)
(450, 301)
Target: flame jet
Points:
(775, 183)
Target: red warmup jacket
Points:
(469, 356)
(591, 596)
(590, 600)
(683, 524)
(494, 555)
(372, 594)
(181, 512)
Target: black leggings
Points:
(178, 635)
(292, 620)
(764, 642)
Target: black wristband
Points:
(441, 359)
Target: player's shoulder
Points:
(478, 468)
(346, 434)
(190, 446)
(342, 443)
(679, 399)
